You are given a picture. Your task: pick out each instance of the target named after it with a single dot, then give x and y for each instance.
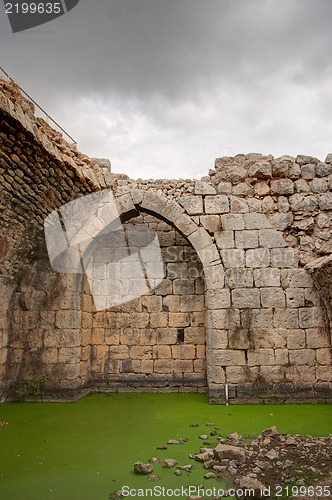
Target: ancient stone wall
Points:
(243, 309)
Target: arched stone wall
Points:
(258, 225)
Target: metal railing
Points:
(45, 115)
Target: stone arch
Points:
(169, 211)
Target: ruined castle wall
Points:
(256, 224)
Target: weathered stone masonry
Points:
(246, 299)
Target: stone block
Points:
(286, 318)
(210, 222)
(185, 225)
(261, 318)
(164, 288)
(218, 204)
(239, 278)
(218, 339)
(153, 202)
(183, 351)
(270, 238)
(112, 337)
(171, 211)
(296, 339)
(209, 255)
(152, 303)
(68, 319)
(273, 297)
(166, 239)
(302, 357)
(239, 338)
(226, 357)
(141, 352)
(119, 351)
(232, 258)
(323, 356)
(231, 222)
(296, 278)
(300, 374)
(139, 320)
(325, 201)
(281, 356)
(324, 373)
(301, 186)
(178, 319)
(48, 356)
(239, 374)
(245, 298)
(319, 186)
(193, 205)
(246, 239)
(305, 159)
(317, 337)
(98, 336)
(311, 317)
(267, 277)
(69, 355)
(272, 373)
(284, 257)
(270, 337)
(162, 351)
(198, 318)
(171, 303)
(219, 319)
(224, 188)
(200, 239)
(159, 320)
(295, 297)
(204, 188)
(258, 257)
(214, 277)
(164, 336)
(261, 357)
(216, 375)
(183, 365)
(201, 351)
(70, 371)
(282, 186)
(308, 171)
(323, 169)
(256, 221)
(130, 336)
(195, 335)
(224, 239)
(262, 188)
(183, 287)
(190, 303)
(200, 366)
(163, 365)
(238, 206)
(218, 299)
(146, 366)
(282, 221)
(62, 338)
(148, 336)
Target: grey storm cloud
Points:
(176, 65)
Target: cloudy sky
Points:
(163, 87)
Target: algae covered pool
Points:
(86, 450)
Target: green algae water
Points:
(86, 450)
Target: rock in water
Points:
(249, 484)
(169, 462)
(140, 468)
(222, 451)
